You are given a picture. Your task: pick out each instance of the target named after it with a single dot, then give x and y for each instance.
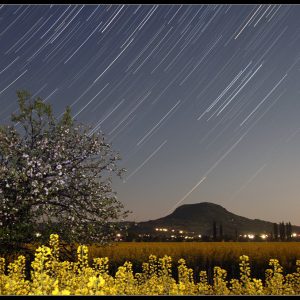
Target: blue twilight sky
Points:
(201, 101)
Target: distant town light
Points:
(118, 234)
(200, 236)
(37, 234)
(251, 236)
(264, 236)
(180, 231)
(294, 234)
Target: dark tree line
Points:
(282, 231)
(217, 236)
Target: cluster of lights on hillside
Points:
(166, 229)
(264, 236)
(162, 229)
(187, 236)
(250, 236)
(178, 233)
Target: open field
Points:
(203, 255)
(88, 275)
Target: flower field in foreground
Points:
(50, 276)
(202, 255)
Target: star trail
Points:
(201, 101)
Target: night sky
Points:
(201, 101)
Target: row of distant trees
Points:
(281, 232)
(215, 231)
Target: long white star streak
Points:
(55, 22)
(39, 90)
(28, 39)
(90, 101)
(9, 65)
(214, 78)
(131, 111)
(83, 43)
(175, 14)
(247, 182)
(83, 70)
(168, 53)
(122, 128)
(102, 120)
(186, 195)
(86, 90)
(13, 82)
(260, 117)
(200, 61)
(292, 135)
(63, 42)
(142, 23)
(190, 21)
(112, 62)
(153, 9)
(210, 131)
(274, 13)
(63, 29)
(157, 125)
(144, 49)
(112, 19)
(115, 87)
(262, 16)
(51, 39)
(149, 55)
(233, 94)
(224, 91)
(12, 23)
(210, 169)
(24, 36)
(273, 43)
(169, 84)
(225, 154)
(231, 98)
(60, 27)
(50, 95)
(145, 161)
(273, 6)
(229, 86)
(175, 58)
(255, 109)
(247, 23)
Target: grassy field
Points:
(203, 255)
(157, 269)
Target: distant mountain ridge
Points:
(199, 218)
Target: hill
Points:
(199, 218)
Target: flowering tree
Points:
(55, 177)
